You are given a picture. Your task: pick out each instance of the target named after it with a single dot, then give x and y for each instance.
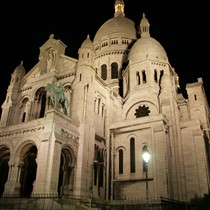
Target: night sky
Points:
(183, 29)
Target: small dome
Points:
(20, 70)
(146, 46)
(119, 26)
(87, 43)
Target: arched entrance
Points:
(28, 171)
(4, 167)
(66, 173)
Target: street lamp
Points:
(146, 157)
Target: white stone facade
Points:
(123, 94)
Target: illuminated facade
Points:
(123, 94)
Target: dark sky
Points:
(182, 28)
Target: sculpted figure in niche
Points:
(50, 59)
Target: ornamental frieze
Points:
(21, 132)
(70, 137)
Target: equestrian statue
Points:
(57, 96)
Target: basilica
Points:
(79, 126)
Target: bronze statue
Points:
(58, 96)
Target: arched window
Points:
(24, 109)
(24, 117)
(104, 71)
(144, 76)
(40, 105)
(95, 105)
(120, 161)
(161, 76)
(99, 105)
(138, 78)
(43, 103)
(103, 110)
(99, 166)
(114, 71)
(132, 155)
(155, 75)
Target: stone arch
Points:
(98, 105)
(24, 109)
(120, 159)
(26, 163)
(121, 147)
(4, 166)
(99, 170)
(147, 106)
(114, 70)
(104, 72)
(41, 103)
(66, 172)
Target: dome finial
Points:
(51, 36)
(144, 26)
(119, 7)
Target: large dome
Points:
(119, 26)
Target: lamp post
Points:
(146, 157)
